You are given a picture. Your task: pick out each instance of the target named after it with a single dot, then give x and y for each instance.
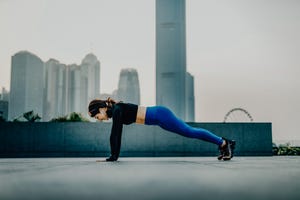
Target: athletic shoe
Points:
(226, 152)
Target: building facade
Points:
(69, 88)
(52, 89)
(171, 55)
(90, 80)
(190, 98)
(27, 84)
(55, 83)
(74, 88)
(129, 86)
(4, 96)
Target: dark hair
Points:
(98, 103)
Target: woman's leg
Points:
(162, 116)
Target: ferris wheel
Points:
(238, 115)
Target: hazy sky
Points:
(242, 53)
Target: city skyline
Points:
(61, 89)
(52, 89)
(241, 53)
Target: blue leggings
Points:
(163, 117)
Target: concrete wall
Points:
(47, 139)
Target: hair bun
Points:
(110, 102)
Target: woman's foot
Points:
(226, 149)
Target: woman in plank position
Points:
(127, 113)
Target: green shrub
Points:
(72, 117)
(60, 119)
(286, 150)
(28, 117)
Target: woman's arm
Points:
(116, 135)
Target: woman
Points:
(127, 113)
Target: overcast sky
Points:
(242, 53)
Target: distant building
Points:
(114, 95)
(55, 90)
(90, 80)
(52, 89)
(3, 110)
(129, 86)
(171, 55)
(27, 84)
(74, 88)
(190, 98)
(4, 102)
(69, 88)
(105, 96)
(4, 96)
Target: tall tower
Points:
(27, 84)
(74, 85)
(171, 55)
(129, 86)
(190, 98)
(54, 103)
(90, 80)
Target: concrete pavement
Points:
(151, 178)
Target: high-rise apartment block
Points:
(27, 84)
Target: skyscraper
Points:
(74, 88)
(190, 98)
(171, 55)
(4, 95)
(90, 80)
(27, 84)
(129, 86)
(69, 88)
(4, 101)
(52, 89)
(55, 83)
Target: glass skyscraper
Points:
(171, 55)
(129, 86)
(27, 84)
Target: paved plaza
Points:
(151, 178)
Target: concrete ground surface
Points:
(151, 178)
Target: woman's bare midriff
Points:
(141, 115)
